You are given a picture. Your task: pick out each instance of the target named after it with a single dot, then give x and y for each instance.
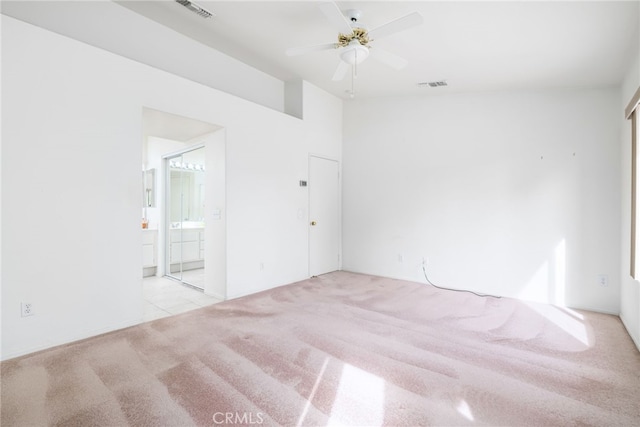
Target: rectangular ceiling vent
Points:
(433, 84)
(195, 8)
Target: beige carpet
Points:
(339, 349)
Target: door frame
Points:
(309, 219)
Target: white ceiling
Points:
(173, 127)
(473, 45)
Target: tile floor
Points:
(165, 297)
(192, 277)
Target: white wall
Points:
(151, 43)
(514, 194)
(216, 215)
(323, 117)
(630, 289)
(263, 174)
(71, 158)
(71, 153)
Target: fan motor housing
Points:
(353, 14)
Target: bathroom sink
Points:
(187, 224)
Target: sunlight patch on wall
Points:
(560, 277)
(536, 288)
(359, 398)
(549, 283)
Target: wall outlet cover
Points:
(603, 280)
(26, 309)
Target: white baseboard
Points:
(71, 339)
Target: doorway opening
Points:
(184, 212)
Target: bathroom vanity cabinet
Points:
(187, 246)
(149, 252)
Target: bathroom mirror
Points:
(148, 188)
(187, 175)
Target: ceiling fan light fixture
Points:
(354, 38)
(354, 53)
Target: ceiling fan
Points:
(354, 39)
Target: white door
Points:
(324, 216)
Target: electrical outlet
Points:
(261, 266)
(27, 309)
(400, 258)
(603, 280)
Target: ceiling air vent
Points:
(433, 84)
(195, 8)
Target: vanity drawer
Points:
(184, 236)
(148, 256)
(184, 252)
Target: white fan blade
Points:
(335, 16)
(341, 71)
(388, 58)
(295, 51)
(397, 25)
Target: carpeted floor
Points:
(342, 348)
